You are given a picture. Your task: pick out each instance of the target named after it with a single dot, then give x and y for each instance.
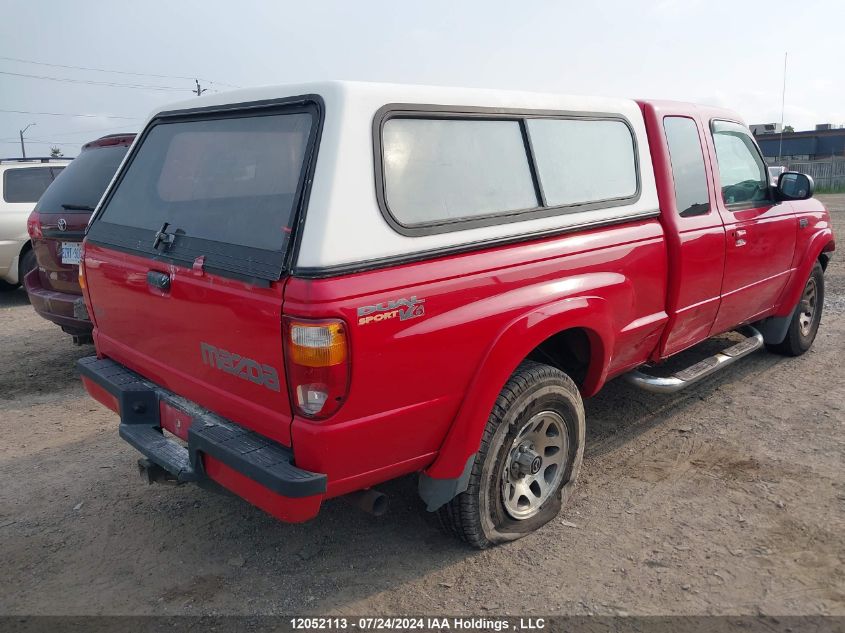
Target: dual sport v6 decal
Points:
(405, 309)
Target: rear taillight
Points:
(33, 226)
(317, 363)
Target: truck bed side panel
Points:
(410, 377)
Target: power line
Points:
(37, 142)
(100, 130)
(92, 131)
(29, 139)
(90, 116)
(88, 130)
(117, 72)
(96, 83)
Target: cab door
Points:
(695, 235)
(760, 232)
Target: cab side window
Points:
(687, 158)
(742, 172)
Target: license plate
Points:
(174, 420)
(71, 252)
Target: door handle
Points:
(158, 279)
(739, 237)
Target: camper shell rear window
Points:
(440, 169)
(226, 184)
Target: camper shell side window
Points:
(440, 170)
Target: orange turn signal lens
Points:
(317, 344)
(81, 277)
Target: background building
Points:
(819, 153)
(825, 141)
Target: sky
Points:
(724, 53)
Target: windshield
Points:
(82, 183)
(231, 180)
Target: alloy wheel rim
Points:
(535, 464)
(807, 308)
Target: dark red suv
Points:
(57, 226)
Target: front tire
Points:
(528, 462)
(805, 322)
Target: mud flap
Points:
(438, 492)
(774, 329)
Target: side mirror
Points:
(793, 185)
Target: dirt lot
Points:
(727, 499)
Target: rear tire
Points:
(805, 322)
(526, 467)
(5, 286)
(27, 263)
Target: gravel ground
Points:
(725, 499)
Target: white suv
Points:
(22, 181)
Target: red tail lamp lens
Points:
(317, 360)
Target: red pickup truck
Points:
(301, 292)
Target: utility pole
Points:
(199, 90)
(782, 106)
(21, 132)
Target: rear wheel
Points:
(26, 263)
(528, 461)
(805, 322)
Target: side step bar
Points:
(702, 369)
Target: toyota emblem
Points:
(62, 224)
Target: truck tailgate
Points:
(212, 340)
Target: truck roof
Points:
(705, 111)
(430, 94)
(403, 93)
(333, 238)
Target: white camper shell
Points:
(384, 189)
